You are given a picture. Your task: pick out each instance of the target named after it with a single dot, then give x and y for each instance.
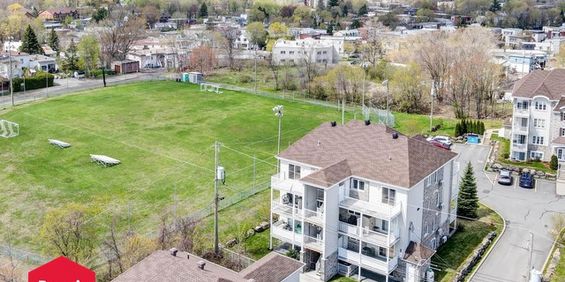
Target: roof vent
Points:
(334, 123)
(201, 264)
(173, 252)
(395, 135)
(367, 122)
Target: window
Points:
(522, 105)
(382, 252)
(562, 116)
(325, 52)
(389, 196)
(534, 155)
(537, 140)
(440, 174)
(539, 123)
(293, 171)
(438, 199)
(358, 184)
(541, 106)
(319, 53)
(560, 153)
(561, 131)
(283, 52)
(290, 52)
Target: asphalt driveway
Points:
(527, 213)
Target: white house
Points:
(43, 63)
(12, 45)
(538, 117)
(305, 50)
(362, 198)
(18, 61)
(242, 41)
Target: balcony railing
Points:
(287, 209)
(287, 185)
(378, 210)
(519, 147)
(372, 263)
(521, 111)
(284, 232)
(313, 243)
(379, 238)
(520, 129)
(316, 217)
(349, 228)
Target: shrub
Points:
(245, 79)
(97, 73)
(554, 164)
(35, 82)
(292, 253)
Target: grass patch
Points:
(461, 245)
(339, 278)
(504, 153)
(559, 274)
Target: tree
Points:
(257, 33)
(229, 36)
(67, 233)
(554, 163)
(70, 63)
(408, 90)
(89, 53)
(202, 59)
(100, 14)
(355, 24)
(363, 10)
(118, 35)
(30, 44)
(389, 19)
(151, 14)
(333, 3)
(203, 12)
(495, 6)
(53, 41)
(467, 200)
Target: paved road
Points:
(70, 85)
(527, 213)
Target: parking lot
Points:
(527, 213)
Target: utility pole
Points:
(216, 197)
(385, 83)
(363, 95)
(11, 70)
(433, 95)
(278, 110)
(255, 59)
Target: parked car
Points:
(443, 139)
(505, 177)
(440, 144)
(527, 180)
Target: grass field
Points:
(461, 245)
(163, 133)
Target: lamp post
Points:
(278, 110)
(11, 70)
(385, 83)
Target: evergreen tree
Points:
(344, 10)
(330, 28)
(458, 129)
(203, 13)
(71, 58)
(495, 6)
(333, 3)
(30, 44)
(463, 126)
(363, 10)
(467, 200)
(554, 163)
(355, 24)
(53, 41)
(482, 128)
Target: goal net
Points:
(9, 129)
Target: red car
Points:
(440, 144)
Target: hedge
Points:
(35, 82)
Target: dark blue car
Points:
(527, 180)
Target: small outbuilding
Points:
(125, 66)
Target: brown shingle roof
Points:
(162, 266)
(330, 175)
(417, 253)
(273, 267)
(370, 151)
(541, 82)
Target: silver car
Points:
(505, 177)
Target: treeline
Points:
(469, 126)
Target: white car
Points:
(442, 139)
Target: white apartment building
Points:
(538, 117)
(363, 199)
(305, 50)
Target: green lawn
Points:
(559, 274)
(462, 244)
(504, 151)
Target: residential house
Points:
(520, 62)
(59, 14)
(538, 117)
(42, 63)
(363, 198)
(12, 46)
(17, 60)
(242, 41)
(182, 266)
(306, 50)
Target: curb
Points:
(551, 251)
(485, 256)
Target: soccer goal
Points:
(210, 87)
(9, 129)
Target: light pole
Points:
(278, 110)
(11, 70)
(255, 59)
(433, 95)
(385, 83)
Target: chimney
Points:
(201, 264)
(173, 252)
(395, 135)
(368, 122)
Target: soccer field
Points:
(162, 132)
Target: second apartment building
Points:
(363, 199)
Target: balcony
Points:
(378, 210)
(349, 229)
(314, 217)
(519, 147)
(283, 231)
(519, 129)
(377, 264)
(314, 244)
(287, 185)
(286, 209)
(521, 112)
(379, 238)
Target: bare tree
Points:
(186, 229)
(10, 271)
(118, 34)
(202, 59)
(275, 71)
(436, 59)
(373, 50)
(229, 36)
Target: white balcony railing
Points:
(519, 147)
(283, 232)
(520, 129)
(379, 238)
(313, 243)
(375, 264)
(286, 209)
(521, 111)
(287, 185)
(378, 210)
(316, 217)
(349, 228)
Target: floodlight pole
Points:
(216, 198)
(387, 100)
(11, 70)
(278, 110)
(255, 59)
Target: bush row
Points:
(35, 82)
(469, 126)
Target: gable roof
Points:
(550, 84)
(367, 151)
(273, 267)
